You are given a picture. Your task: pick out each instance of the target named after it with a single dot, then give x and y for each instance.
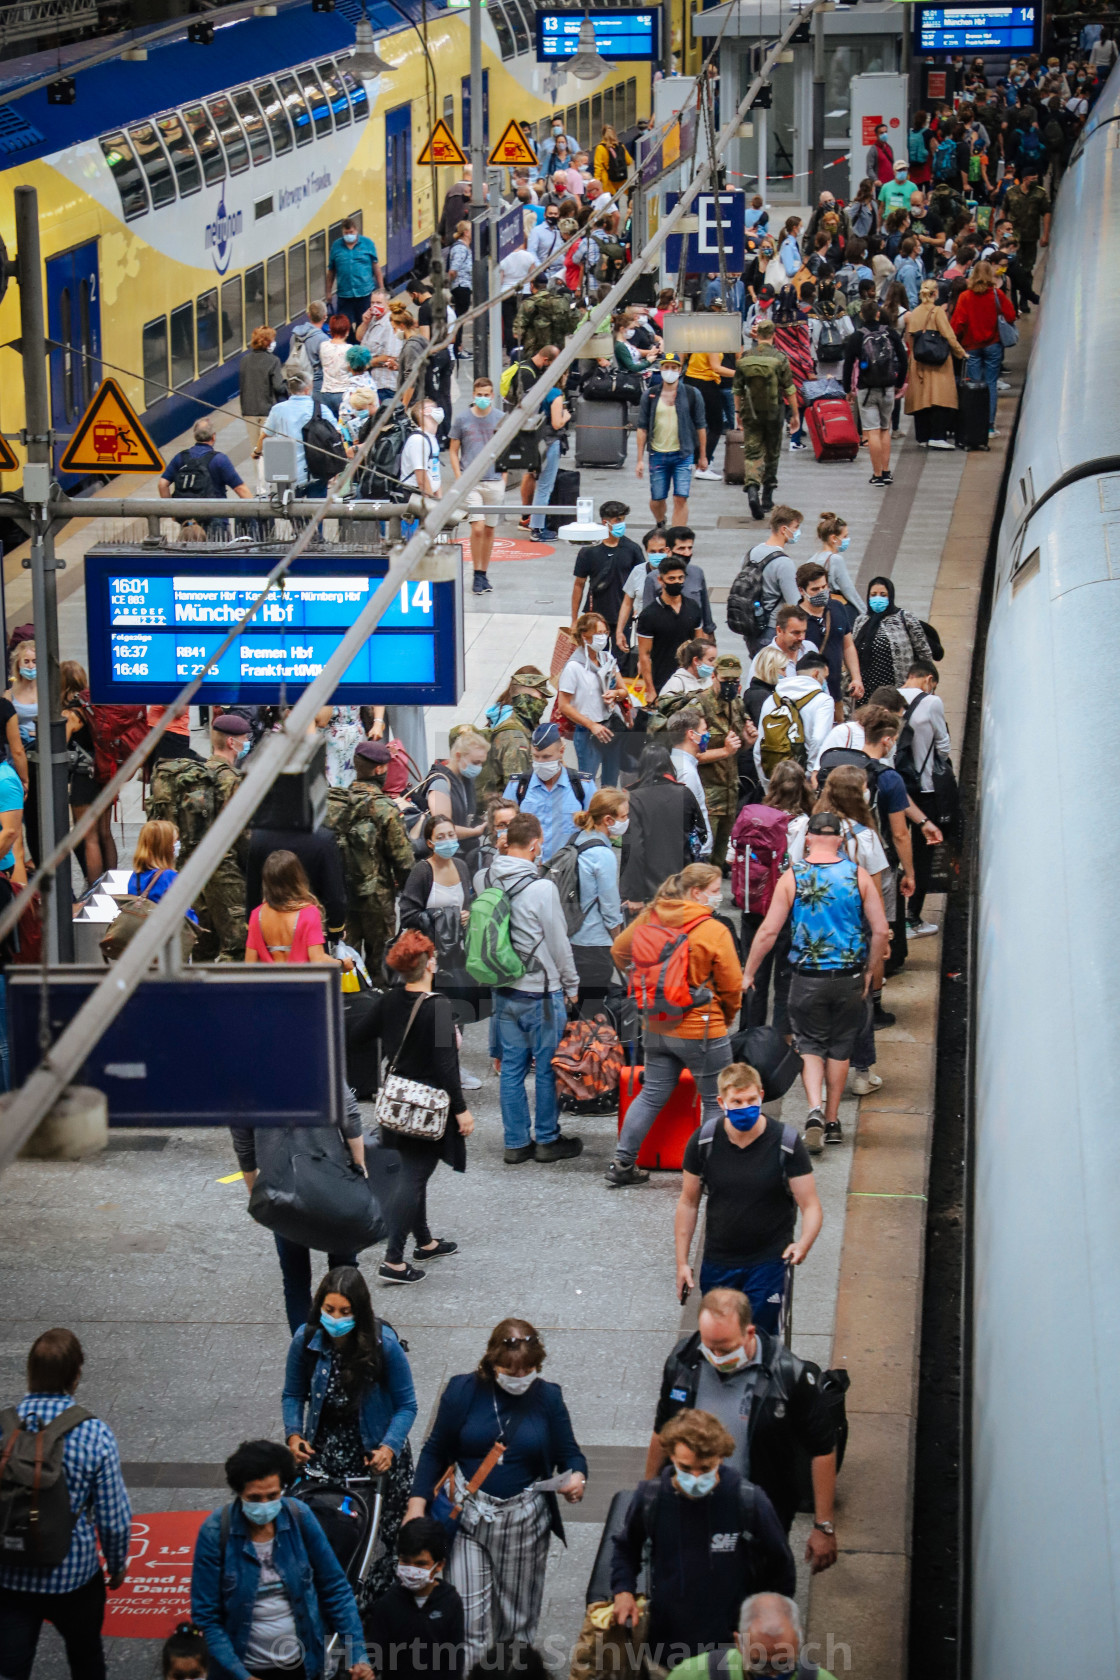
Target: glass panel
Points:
(530, 17)
(570, 120)
(66, 320)
(317, 100)
(583, 132)
(356, 218)
(335, 92)
(596, 121)
(277, 291)
(155, 361)
(297, 279)
(83, 376)
(631, 116)
(254, 299)
(317, 268)
(126, 172)
(225, 121)
(209, 147)
(333, 232)
(182, 345)
(449, 107)
(253, 124)
(273, 107)
(504, 32)
(177, 141)
(780, 126)
(517, 24)
(841, 64)
(608, 105)
(206, 330)
(466, 108)
(156, 164)
(231, 318)
(359, 98)
(296, 106)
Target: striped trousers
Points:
(497, 1567)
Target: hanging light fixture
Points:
(585, 62)
(365, 61)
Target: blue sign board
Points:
(511, 231)
(981, 29)
(618, 35)
(703, 247)
(153, 620)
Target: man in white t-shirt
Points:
(420, 455)
(686, 730)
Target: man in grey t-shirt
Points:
(471, 435)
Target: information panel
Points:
(618, 35)
(983, 29)
(154, 620)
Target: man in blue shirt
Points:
(186, 474)
(356, 271)
(549, 794)
(287, 419)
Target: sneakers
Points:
(795, 446)
(920, 930)
(833, 1132)
(407, 1273)
(469, 1081)
(537, 536)
(1003, 384)
(886, 477)
(560, 1149)
(481, 584)
(617, 1175)
(710, 473)
(752, 497)
(814, 1131)
(941, 443)
(864, 1082)
(882, 1017)
(514, 1157)
(440, 1251)
(878, 481)
(992, 432)
(523, 524)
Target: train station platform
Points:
(148, 1254)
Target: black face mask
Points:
(674, 588)
(729, 688)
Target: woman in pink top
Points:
(288, 926)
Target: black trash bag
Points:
(310, 1190)
(764, 1048)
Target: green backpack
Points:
(759, 377)
(490, 955)
(783, 734)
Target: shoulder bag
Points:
(405, 1106)
(134, 911)
(444, 1508)
(931, 349)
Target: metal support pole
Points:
(479, 273)
(818, 110)
(494, 280)
(760, 117)
(50, 743)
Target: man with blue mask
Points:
(550, 791)
(767, 580)
(714, 1539)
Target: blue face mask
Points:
(243, 752)
(697, 1486)
(336, 1326)
(795, 536)
(471, 771)
(744, 1118)
(845, 542)
(482, 403)
(878, 603)
(446, 848)
(261, 1511)
(704, 670)
(618, 529)
(702, 743)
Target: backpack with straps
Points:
(783, 733)
(359, 839)
(758, 378)
(746, 615)
(704, 1142)
(918, 146)
(193, 476)
(904, 760)
(575, 782)
(380, 475)
(36, 1522)
(117, 732)
(185, 793)
(563, 872)
(836, 757)
(830, 343)
(659, 982)
(616, 164)
(945, 160)
(323, 445)
(490, 956)
(876, 359)
(758, 846)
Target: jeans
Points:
(665, 1057)
(985, 364)
(666, 469)
(764, 1285)
(529, 1029)
(546, 483)
(593, 755)
(77, 1615)
(354, 308)
(295, 1269)
(331, 400)
(410, 1202)
(727, 401)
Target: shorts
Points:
(490, 492)
(875, 406)
(676, 467)
(826, 1012)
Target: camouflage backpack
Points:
(757, 379)
(186, 793)
(359, 840)
(664, 708)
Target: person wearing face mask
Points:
(835, 541)
(381, 338)
(729, 734)
(355, 270)
(766, 581)
(436, 899)
(349, 1403)
(601, 569)
(499, 815)
(154, 863)
(591, 695)
(498, 1431)
(828, 629)
(680, 540)
(696, 660)
(633, 595)
(558, 149)
(550, 792)
(451, 790)
(605, 821)
(879, 162)
(688, 737)
(545, 246)
(713, 1538)
(264, 1579)
(420, 463)
(662, 626)
(415, 1629)
(375, 860)
(221, 904)
(511, 721)
(674, 421)
(887, 638)
(471, 432)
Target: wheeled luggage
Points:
(734, 468)
(564, 493)
(663, 1147)
(600, 433)
(832, 429)
(973, 409)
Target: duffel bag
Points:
(764, 1049)
(310, 1190)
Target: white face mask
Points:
(670, 376)
(620, 825)
(547, 768)
(726, 1362)
(412, 1576)
(600, 642)
(515, 1385)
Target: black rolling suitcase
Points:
(564, 493)
(600, 431)
(973, 409)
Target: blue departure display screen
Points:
(151, 631)
(981, 29)
(618, 35)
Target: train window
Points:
(181, 152)
(253, 124)
(254, 299)
(528, 12)
(630, 115)
(155, 361)
(570, 123)
(335, 92)
(359, 98)
(333, 232)
(608, 105)
(297, 279)
(449, 111)
(127, 174)
(275, 116)
(317, 267)
(182, 345)
(206, 330)
(596, 121)
(502, 29)
(356, 218)
(155, 162)
(225, 121)
(296, 106)
(231, 318)
(209, 147)
(517, 24)
(277, 291)
(85, 364)
(583, 132)
(317, 100)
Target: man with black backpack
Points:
(877, 352)
(202, 473)
(55, 1510)
(922, 760)
(320, 451)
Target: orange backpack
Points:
(659, 982)
(588, 1059)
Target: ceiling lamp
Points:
(685, 333)
(585, 62)
(365, 61)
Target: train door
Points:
(398, 178)
(74, 328)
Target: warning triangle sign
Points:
(512, 148)
(109, 438)
(8, 462)
(442, 147)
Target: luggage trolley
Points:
(348, 1510)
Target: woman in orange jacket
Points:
(687, 972)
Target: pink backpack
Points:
(761, 831)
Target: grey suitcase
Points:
(601, 436)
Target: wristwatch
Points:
(825, 1527)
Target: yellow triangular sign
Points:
(512, 148)
(109, 438)
(442, 147)
(8, 462)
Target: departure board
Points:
(618, 35)
(983, 29)
(152, 629)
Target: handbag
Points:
(931, 349)
(444, 1508)
(134, 912)
(1008, 332)
(407, 1107)
(310, 1190)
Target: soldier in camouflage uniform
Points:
(1028, 210)
(729, 730)
(377, 854)
(544, 318)
(191, 795)
(762, 377)
(512, 719)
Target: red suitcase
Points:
(664, 1143)
(832, 428)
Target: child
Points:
(184, 1655)
(415, 1630)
